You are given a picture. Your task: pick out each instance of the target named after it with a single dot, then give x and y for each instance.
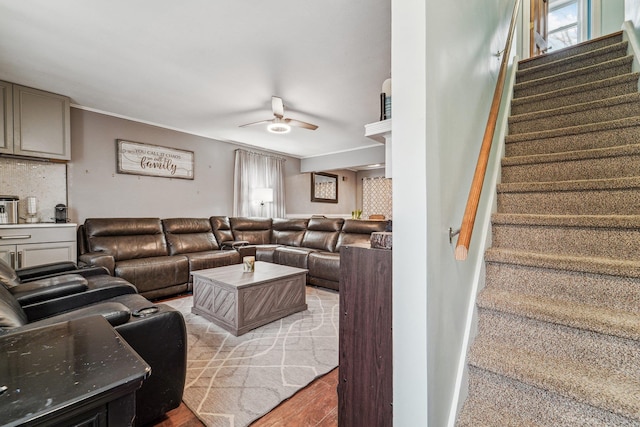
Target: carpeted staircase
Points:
(558, 340)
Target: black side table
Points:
(79, 372)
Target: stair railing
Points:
(468, 220)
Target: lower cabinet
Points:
(26, 246)
(365, 388)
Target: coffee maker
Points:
(61, 213)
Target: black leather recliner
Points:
(156, 332)
(49, 289)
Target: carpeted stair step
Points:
(502, 401)
(619, 196)
(584, 137)
(612, 68)
(599, 163)
(584, 280)
(585, 59)
(594, 318)
(602, 110)
(599, 351)
(574, 50)
(601, 89)
(558, 319)
(602, 389)
(604, 236)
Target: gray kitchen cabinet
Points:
(6, 117)
(41, 124)
(25, 246)
(35, 123)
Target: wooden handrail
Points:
(468, 220)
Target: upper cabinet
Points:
(35, 123)
(6, 117)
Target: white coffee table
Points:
(239, 301)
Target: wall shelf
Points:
(381, 132)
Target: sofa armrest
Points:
(99, 259)
(100, 289)
(84, 272)
(37, 271)
(249, 250)
(116, 314)
(233, 244)
(47, 289)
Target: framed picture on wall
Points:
(324, 187)
(138, 158)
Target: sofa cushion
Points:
(322, 233)
(152, 273)
(288, 232)
(126, 238)
(256, 231)
(185, 235)
(266, 252)
(358, 232)
(221, 228)
(292, 256)
(324, 265)
(212, 259)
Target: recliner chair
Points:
(156, 332)
(50, 289)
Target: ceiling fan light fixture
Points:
(278, 127)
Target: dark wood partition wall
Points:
(365, 387)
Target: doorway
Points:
(556, 24)
(562, 23)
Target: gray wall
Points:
(96, 190)
(299, 195)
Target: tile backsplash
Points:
(47, 181)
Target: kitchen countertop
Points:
(38, 225)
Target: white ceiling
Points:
(208, 66)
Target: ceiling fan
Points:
(281, 124)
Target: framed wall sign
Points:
(153, 160)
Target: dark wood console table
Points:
(79, 372)
(365, 388)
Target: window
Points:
(258, 185)
(568, 22)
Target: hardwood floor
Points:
(314, 406)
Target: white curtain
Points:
(377, 197)
(258, 171)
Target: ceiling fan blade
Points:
(257, 123)
(300, 124)
(277, 106)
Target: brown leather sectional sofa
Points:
(158, 255)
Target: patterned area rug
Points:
(232, 381)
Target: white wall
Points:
(96, 190)
(632, 13)
(444, 72)
(611, 16)
(408, 71)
